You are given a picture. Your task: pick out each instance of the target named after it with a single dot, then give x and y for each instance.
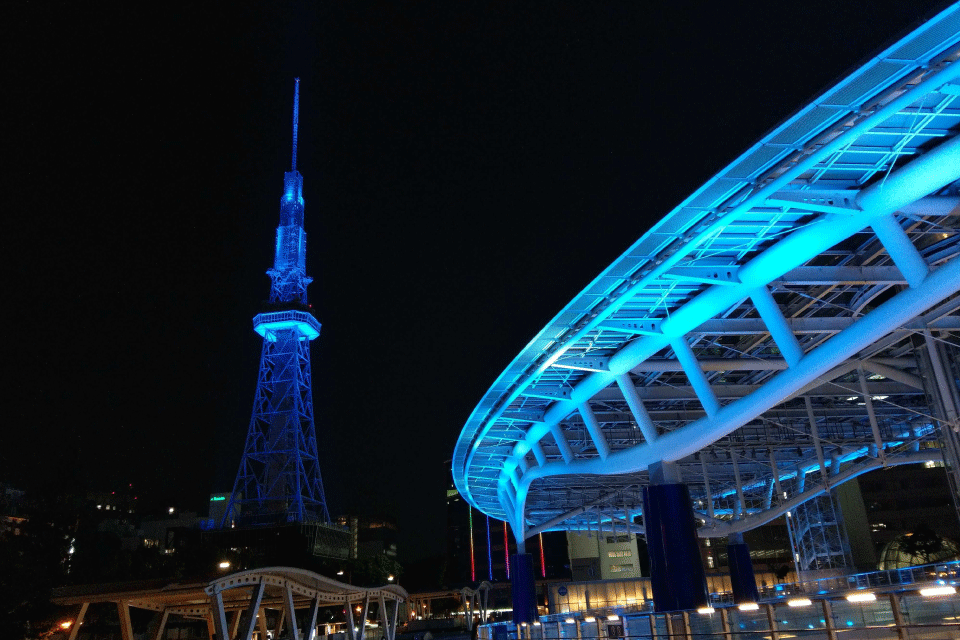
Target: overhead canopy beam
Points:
(756, 326)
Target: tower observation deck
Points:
(791, 325)
(279, 478)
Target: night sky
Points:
(468, 168)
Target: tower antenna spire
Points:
(296, 119)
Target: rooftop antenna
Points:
(296, 118)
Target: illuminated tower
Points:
(279, 477)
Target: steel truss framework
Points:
(279, 477)
(238, 605)
(764, 335)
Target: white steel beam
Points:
(675, 445)
(256, 597)
(595, 431)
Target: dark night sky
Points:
(468, 169)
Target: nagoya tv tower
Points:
(279, 478)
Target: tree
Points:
(923, 543)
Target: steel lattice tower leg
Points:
(279, 477)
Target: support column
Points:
(828, 619)
(351, 627)
(523, 588)
(256, 597)
(161, 627)
(311, 630)
(126, 628)
(898, 616)
(75, 628)
(262, 623)
(742, 579)
(772, 622)
(292, 630)
(676, 571)
(234, 623)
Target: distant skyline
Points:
(466, 172)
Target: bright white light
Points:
(224, 565)
(863, 596)
(390, 578)
(613, 617)
(749, 606)
(942, 590)
(170, 510)
(590, 619)
(799, 602)
(570, 621)
(706, 610)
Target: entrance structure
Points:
(239, 605)
(794, 323)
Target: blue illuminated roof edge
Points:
(518, 374)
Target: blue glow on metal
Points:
(269, 325)
(296, 121)
(728, 195)
(279, 477)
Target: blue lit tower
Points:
(279, 477)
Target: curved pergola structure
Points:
(234, 605)
(778, 332)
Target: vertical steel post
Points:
(75, 627)
(902, 633)
(872, 416)
(828, 620)
(772, 622)
(161, 627)
(815, 434)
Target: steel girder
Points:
(279, 478)
(747, 335)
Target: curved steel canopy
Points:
(763, 331)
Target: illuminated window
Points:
(618, 568)
(616, 539)
(625, 553)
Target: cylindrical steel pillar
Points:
(523, 588)
(676, 571)
(742, 579)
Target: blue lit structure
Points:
(279, 477)
(791, 325)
